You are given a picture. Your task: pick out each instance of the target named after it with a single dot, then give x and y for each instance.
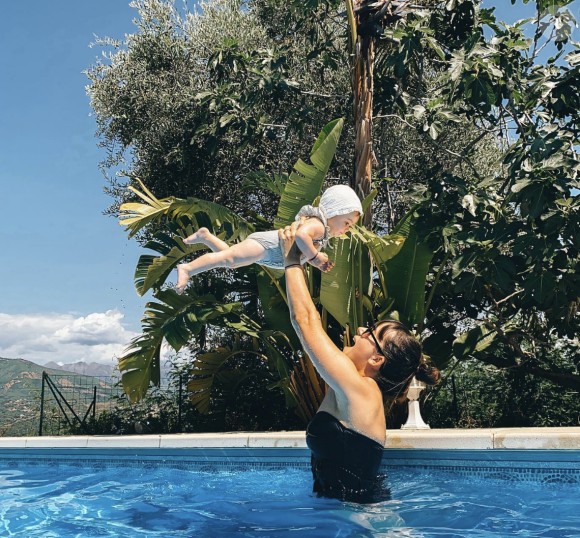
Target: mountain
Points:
(91, 369)
(20, 388)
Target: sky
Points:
(66, 270)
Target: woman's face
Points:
(364, 347)
(341, 223)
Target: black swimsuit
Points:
(345, 463)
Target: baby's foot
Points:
(182, 279)
(197, 237)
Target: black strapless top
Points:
(345, 463)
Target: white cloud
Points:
(64, 338)
(96, 329)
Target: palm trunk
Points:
(362, 86)
(367, 19)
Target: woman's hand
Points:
(290, 250)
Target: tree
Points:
(511, 238)
(443, 90)
(177, 319)
(506, 243)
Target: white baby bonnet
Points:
(337, 200)
(340, 200)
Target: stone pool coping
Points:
(447, 439)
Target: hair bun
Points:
(428, 374)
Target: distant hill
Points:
(20, 385)
(91, 369)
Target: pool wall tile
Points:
(544, 467)
(534, 455)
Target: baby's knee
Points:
(223, 259)
(231, 262)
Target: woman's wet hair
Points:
(403, 360)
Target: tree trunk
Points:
(362, 87)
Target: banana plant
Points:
(349, 293)
(171, 318)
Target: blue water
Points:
(65, 502)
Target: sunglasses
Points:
(370, 331)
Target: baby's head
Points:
(342, 207)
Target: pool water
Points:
(65, 502)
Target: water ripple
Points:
(70, 502)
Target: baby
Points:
(339, 208)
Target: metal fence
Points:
(72, 403)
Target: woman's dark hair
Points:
(403, 360)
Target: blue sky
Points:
(66, 277)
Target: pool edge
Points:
(445, 439)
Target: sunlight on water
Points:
(68, 502)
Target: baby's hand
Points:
(322, 262)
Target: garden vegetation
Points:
(457, 130)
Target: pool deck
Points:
(444, 439)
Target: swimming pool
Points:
(266, 492)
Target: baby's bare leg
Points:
(240, 255)
(203, 235)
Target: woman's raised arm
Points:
(332, 364)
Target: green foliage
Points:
(477, 134)
(485, 397)
(511, 236)
(174, 318)
(305, 182)
(238, 407)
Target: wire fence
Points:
(79, 404)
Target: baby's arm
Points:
(305, 241)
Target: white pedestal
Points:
(415, 420)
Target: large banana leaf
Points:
(382, 249)
(406, 274)
(305, 182)
(135, 216)
(175, 318)
(343, 290)
(140, 366)
(275, 308)
(474, 341)
(349, 284)
(221, 217)
(152, 271)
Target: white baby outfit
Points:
(337, 200)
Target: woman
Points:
(347, 434)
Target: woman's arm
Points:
(332, 364)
